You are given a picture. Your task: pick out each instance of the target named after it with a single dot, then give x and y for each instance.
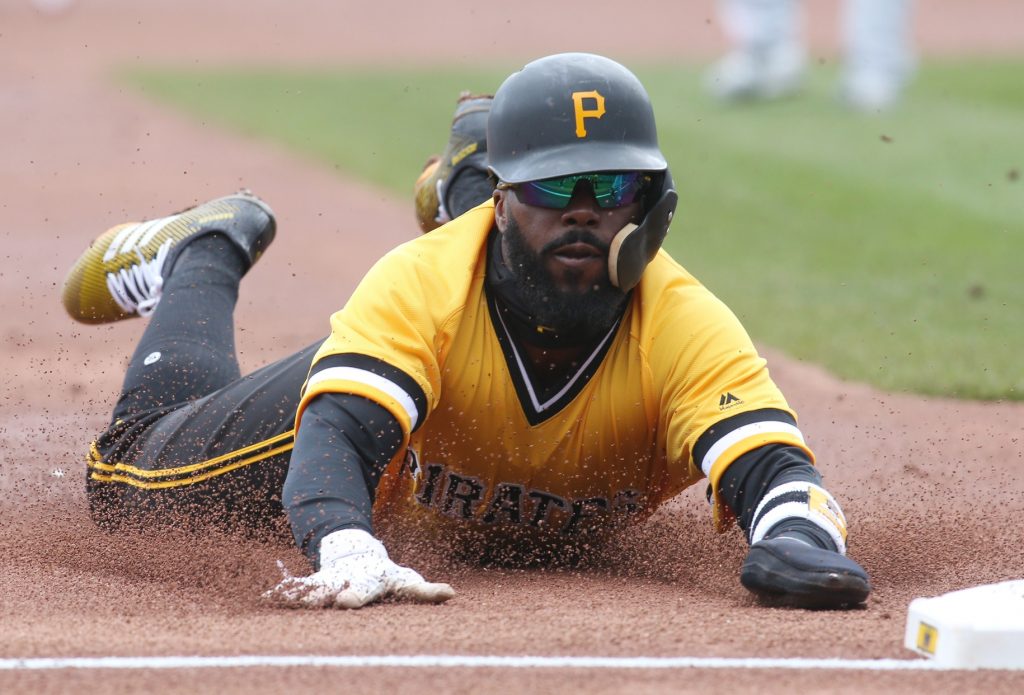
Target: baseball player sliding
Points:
(531, 374)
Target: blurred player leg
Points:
(767, 60)
(879, 59)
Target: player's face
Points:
(561, 256)
(570, 243)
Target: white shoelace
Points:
(137, 289)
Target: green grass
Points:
(885, 248)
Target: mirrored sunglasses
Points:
(611, 189)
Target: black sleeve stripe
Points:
(723, 427)
(382, 369)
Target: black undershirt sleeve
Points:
(753, 474)
(341, 449)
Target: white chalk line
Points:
(453, 661)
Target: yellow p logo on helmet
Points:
(583, 113)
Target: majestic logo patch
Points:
(727, 401)
(586, 105)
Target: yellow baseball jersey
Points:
(673, 393)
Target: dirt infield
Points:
(934, 488)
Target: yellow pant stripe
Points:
(114, 477)
(95, 460)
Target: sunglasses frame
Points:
(538, 196)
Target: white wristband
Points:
(802, 500)
(338, 545)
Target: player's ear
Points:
(500, 209)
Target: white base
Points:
(980, 627)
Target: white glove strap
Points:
(338, 545)
(803, 500)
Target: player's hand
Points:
(355, 570)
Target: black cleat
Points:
(466, 149)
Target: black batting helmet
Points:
(575, 113)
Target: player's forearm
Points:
(775, 490)
(342, 447)
(749, 477)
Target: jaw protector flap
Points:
(634, 246)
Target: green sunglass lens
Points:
(610, 190)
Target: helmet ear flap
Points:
(634, 246)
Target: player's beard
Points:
(568, 313)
